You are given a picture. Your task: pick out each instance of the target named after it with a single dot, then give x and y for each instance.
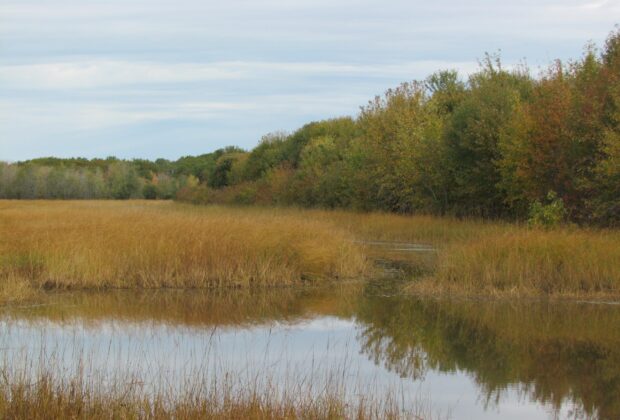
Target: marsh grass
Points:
(474, 257)
(562, 262)
(48, 397)
(141, 244)
(45, 399)
(150, 245)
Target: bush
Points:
(550, 214)
(149, 191)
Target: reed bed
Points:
(381, 226)
(88, 244)
(418, 229)
(141, 244)
(475, 257)
(528, 262)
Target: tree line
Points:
(110, 178)
(500, 143)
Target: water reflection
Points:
(476, 358)
(221, 308)
(549, 352)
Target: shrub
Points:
(550, 214)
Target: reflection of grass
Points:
(150, 245)
(221, 308)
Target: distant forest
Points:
(496, 145)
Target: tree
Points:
(553, 142)
(122, 180)
(605, 204)
(473, 137)
(400, 132)
(270, 153)
(221, 173)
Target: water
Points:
(469, 359)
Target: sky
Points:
(169, 78)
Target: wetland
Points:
(155, 309)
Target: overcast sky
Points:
(167, 78)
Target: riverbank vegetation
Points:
(530, 262)
(141, 244)
(500, 144)
(161, 244)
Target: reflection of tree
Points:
(388, 343)
(551, 353)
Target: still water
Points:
(466, 359)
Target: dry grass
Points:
(88, 244)
(96, 244)
(47, 397)
(491, 258)
(477, 257)
(563, 262)
(419, 229)
(379, 226)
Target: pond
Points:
(464, 359)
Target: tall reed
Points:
(563, 262)
(140, 244)
(95, 244)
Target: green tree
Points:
(473, 137)
(400, 133)
(122, 179)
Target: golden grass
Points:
(420, 229)
(48, 398)
(129, 244)
(475, 257)
(98, 244)
(380, 226)
(563, 262)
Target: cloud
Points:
(236, 69)
(109, 73)
(55, 117)
(106, 73)
(79, 116)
